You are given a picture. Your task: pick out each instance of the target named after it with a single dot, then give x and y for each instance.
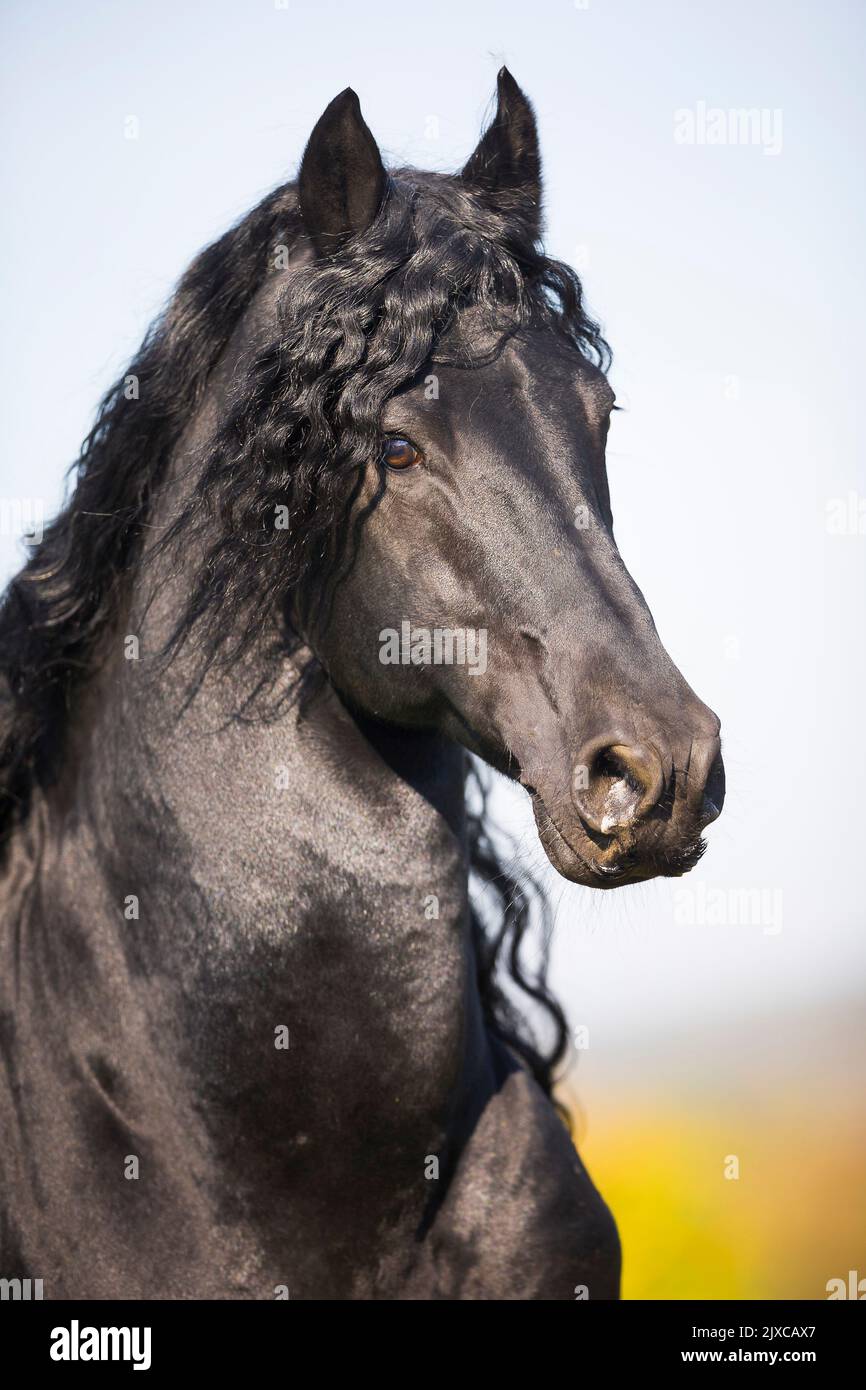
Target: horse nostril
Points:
(614, 784)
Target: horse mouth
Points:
(612, 867)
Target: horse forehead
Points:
(535, 371)
(541, 354)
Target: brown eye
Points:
(398, 452)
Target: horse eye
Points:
(398, 452)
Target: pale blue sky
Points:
(730, 283)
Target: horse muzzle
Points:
(636, 809)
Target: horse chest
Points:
(331, 987)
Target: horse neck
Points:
(282, 874)
(206, 878)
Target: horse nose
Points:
(616, 783)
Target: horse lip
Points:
(606, 873)
(626, 871)
(688, 857)
(542, 811)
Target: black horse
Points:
(345, 518)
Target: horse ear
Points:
(506, 165)
(341, 183)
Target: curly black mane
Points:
(355, 327)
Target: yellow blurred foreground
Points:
(781, 1102)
